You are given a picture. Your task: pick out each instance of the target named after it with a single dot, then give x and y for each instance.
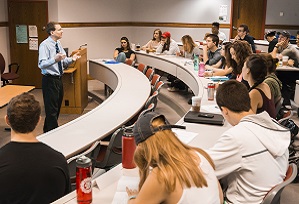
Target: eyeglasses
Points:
(239, 31)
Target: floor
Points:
(172, 104)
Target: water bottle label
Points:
(85, 185)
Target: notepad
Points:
(218, 78)
(121, 196)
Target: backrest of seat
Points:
(129, 62)
(141, 67)
(151, 99)
(149, 73)
(155, 79)
(273, 196)
(2, 63)
(159, 85)
(150, 108)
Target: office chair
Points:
(273, 196)
(158, 86)
(150, 108)
(110, 153)
(130, 62)
(11, 75)
(152, 99)
(155, 79)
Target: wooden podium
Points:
(74, 80)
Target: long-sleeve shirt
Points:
(173, 48)
(46, 57)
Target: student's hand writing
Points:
(131, 192)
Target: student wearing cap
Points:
(287, 78)
(170, 171)
(270, 37)
(167, 45)
(252, 156)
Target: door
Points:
(249, 12)
(21, 14)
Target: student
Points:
(30, 171)
(153, 43)
(211, 52)
(243, 34)
(226, 63)
(215, 30)
(167, 45)
(52, 60)
(297, 40)
(270, 37)
(255, 71)
(124, 52)
(170, 171)
(252, 156)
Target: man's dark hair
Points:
(23, 113)
(298, 32)
(214, 38)
(216, 24)
(234, 96)
(245, 28)
(51, 27)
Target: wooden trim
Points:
(141, 24)
(283, 27)
(3, 24)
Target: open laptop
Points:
(204, 118)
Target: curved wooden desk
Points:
(126, 100)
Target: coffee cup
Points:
(285, 60)
(196, 101)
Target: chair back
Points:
(158, 86)
(155, 79)
(150, 108)
(151, 99)
(149, 73)
(141, 67)
(2, 63)
(113, 155)
(273, 196)
(129, 62)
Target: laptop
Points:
(204, 118)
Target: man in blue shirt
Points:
(52, 60)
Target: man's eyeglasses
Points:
(239, 31)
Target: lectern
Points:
(74, 80)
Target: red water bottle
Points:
(128, 149)
(83, 180)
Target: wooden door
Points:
(249, 12)
(25, 13)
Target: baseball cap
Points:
(143, 128)
(166, 35)
(285, 34)
(270, 33)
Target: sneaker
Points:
(173, 89)
(289, 107)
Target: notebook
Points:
(204, 118)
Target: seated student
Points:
(243, 34)
(252, 156)
(124, 52)
(239, 51)
(211, 52)
(167, 45)
(170, 171)
(215, 30)
(189, 50)
(271, 79)
(254, 72)
(30, 171)
(153, 43)
(271, 38)
(226, 61)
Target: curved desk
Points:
(125, 102)
(207, 134)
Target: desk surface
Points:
(9, 91)
(207, 134)
(77, 135)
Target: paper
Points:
(121, 196)
(33, 43)
(223, 13)
(32, 31)
(21, 34)
(211, 109)
(185, 136)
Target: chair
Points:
(158, 86)
(72, 161)
(149, 73)
(152, 99)
(273, 196)
(11, 75)
(150, 108)
(113, 154)
(141, 67)
(130, 62)
(155, 79)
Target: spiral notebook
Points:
(204, 118)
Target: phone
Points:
(205, 115)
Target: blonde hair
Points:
(188, 43)
(173, 159)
